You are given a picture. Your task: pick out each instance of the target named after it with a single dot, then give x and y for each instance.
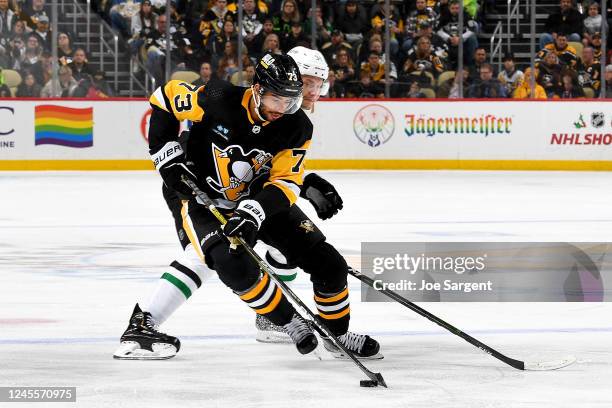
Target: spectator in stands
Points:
(609, 81)
(396, 24)
(487, 86)
(415, 19)
(142, 24)
(20, 29)
(367, 88)
(7, 19)
(449, 33)
(217, 44)
(414, 91)
(43, 33)
(570, 88)
(271, 44)
(205, 74)
(28, 88)
(295, 38)
(65, 53)
(375, 70)
(34, 10)
(257, 44)
(421, 65)
(566, 21)
(228, 64)
(336, 90)
(252, 22)
(331, 49)
(186, 57)
(289, 14)
(438, 47)
(64, 86)
(323, 28)
(12, 52)
(79, 65)
(31, 60)
(352, 20)
(480, 58)
(212, 21)
(121, 14)
(549, 75)
(101, 87)
(523, 91)
(510, 76)
(592, 23)
(46, 60)
(155, 45)
(248, 74)
(566, 53)
(589, 71)
(596, 45)
(344, 67)
(144, 21)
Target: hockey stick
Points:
(375, 378)
(518, 364)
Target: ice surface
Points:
(77, 250)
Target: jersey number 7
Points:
(301, 153)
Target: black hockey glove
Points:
(322, 195)
(245, 222)
(173, 173)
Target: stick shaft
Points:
(520, 365)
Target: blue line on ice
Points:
(214, 337)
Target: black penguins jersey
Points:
(232, 156)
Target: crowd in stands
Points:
(26, 55)
(421, 59)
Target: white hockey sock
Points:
(177, 285)
(164, 301)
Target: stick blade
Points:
(380, 380)
(549, 365)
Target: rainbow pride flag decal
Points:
(59, 125)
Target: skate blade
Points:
(273, 337)
(339, 354)
(130, 350)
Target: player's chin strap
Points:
(257, 103)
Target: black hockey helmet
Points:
(279, 74)
(280, 84)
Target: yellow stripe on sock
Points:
(333, 298)
(336, 315)
(273, 304)
(256, 290)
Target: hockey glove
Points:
(173, 174)
(322, 195)
(245, 221)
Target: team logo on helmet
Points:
(374, 125)
(236, 170)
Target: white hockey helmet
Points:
(311, 62)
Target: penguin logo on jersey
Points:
(236, 170)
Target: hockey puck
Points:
(368, 383)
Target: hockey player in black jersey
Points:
(247, 154)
